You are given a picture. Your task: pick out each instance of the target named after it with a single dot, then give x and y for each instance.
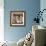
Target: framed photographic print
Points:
(17, 18)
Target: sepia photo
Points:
(17, 18)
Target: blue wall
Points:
(30, 6)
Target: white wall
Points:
(1, 20)
(43, 6)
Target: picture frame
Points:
(17, 18)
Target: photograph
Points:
(17, 18)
